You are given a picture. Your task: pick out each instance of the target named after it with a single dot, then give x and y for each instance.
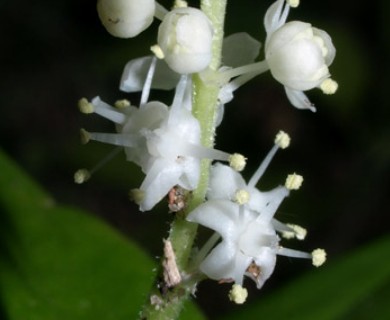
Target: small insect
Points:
(177, 199)
(229, 280)
(254, 270)
(171, 273)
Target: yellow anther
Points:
(180, 4)
(85, 106)
(329, 86)
(81, 176)
(318, 257)
(84, 136)
(282, 139)
(298, 231)
(293, 181)
(136, 195)
(237, 161)
(156, 49)
(242, 196)
(120, 104)
(288, 235)
(293, 3)
(238, 294)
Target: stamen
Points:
(177, 103)
(84, 175)
(116, 139)
(318, 257)
(253, 69)
(180, 4)
(288, 234)
(238, 294)
(105, 110)
(148, 83)
(293, 181)
(237, 162)
(282, 139)
(242, 197)
(121, 104)
(81, 176)
(285, 231)
(85, 137)
(263, 166)
(156, 49)
(160, 11)
(293, 3)
(329, 86)
(85, 106)
(298, 231)
(293, 253)
(136, 195)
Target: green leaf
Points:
(335, 291)
(60, 263)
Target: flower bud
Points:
(185, 37)
(299, 55)
(126, 18)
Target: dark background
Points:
(54, 52)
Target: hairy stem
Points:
(182, 234)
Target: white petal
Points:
(191, 173)
(274, 17)
(242, 263)
(266, 260)
(299, 100)
(328, 44)
(220, 263)
(274, 199)
(220, 113)
(218, 215)
(240, 49)
(256, 236)
(162, 176)
(224, 182)
(134, 75)
(150, 116)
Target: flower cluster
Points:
(244, 217)
(165, 141)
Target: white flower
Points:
(163, 141)
(245, 240)
(185, 38)
(228, 184)
(250, 242)
(126, 18)
(298, 55)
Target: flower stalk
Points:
(182, 233)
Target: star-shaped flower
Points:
(164, 141)
(250, 242)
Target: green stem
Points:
(182, 234)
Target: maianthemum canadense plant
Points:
(174, 145)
